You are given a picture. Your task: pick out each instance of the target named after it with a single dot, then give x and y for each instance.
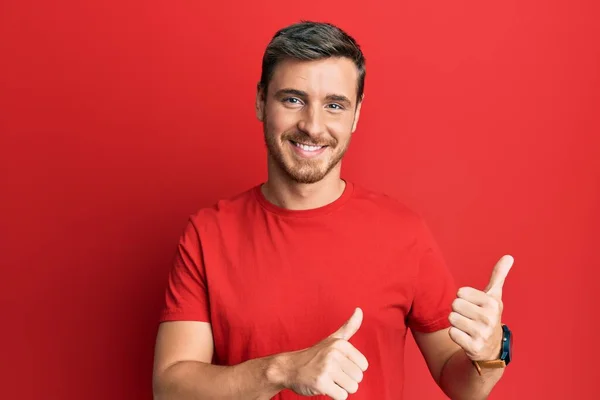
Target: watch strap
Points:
(488, 364)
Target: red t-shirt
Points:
(271, 280)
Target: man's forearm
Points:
(190, 380)
(460, 380)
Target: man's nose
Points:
(312, 122)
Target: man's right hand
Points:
(332, 367)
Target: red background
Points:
(120, 118)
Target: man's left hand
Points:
(476, 316)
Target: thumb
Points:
(499, 274)
(350, 327)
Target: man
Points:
(306, 285)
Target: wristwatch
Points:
(505, 353)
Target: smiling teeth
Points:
(306, 147)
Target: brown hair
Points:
(310, 41)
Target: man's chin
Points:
(306, 177)
(306, 180)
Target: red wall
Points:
(119, 119)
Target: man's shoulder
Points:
(225, 208)
(385, 204)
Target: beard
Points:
(303, 170)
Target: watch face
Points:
(506, 345)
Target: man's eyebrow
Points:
(340, 98)
(293, 92)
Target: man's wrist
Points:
(495, 354)
(276, 371)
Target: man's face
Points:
(309, 115)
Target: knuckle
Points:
(479, 333)
(338, 344)
(455, 316)
(352, 387)
(486, 319)
(478, 346)
(494, 305)
(329, 361)
(452, 333)
(451, 316)
(331, 354)
(339, 394)
(320, 382)
(359, 376)
(456, 304)
(487, 332)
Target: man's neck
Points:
(285, 193)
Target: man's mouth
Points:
(307, 147)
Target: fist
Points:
(476, 316)
(332, 367)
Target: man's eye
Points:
(336, 106)
(292, 100)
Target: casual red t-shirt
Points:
(271, 280)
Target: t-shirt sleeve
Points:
(435, 289)
(186, 297)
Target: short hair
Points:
(309, 41)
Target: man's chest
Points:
(284, 294)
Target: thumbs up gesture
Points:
(476, 316)
(332, 367)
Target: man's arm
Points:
(475, 334)
(452, 369)
(184, 350)
(183, 369)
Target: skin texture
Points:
(315, 103)
(311, 103)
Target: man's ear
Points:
(357, 112)
(260, 102)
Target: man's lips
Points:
(297, 143)
(307, 150)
